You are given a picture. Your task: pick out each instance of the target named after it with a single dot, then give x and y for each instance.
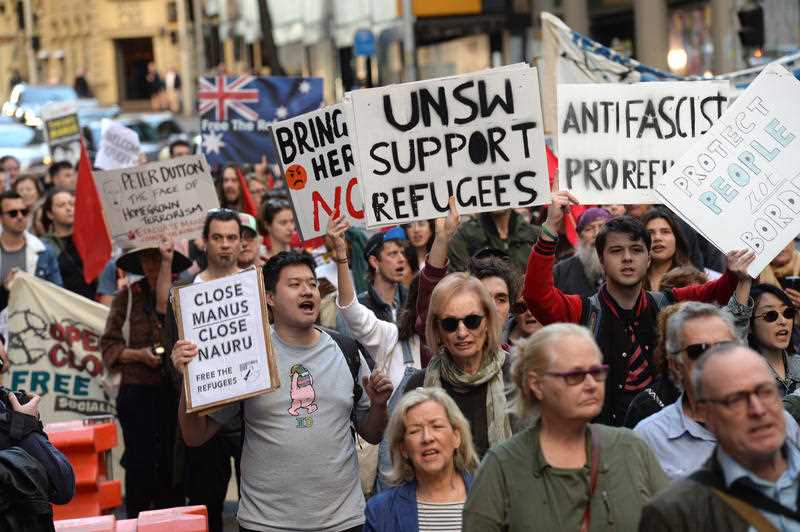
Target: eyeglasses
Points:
(695, 351)
(13, 213)
(737, 402)
(771, 316)
(577, 376)
(471, 322)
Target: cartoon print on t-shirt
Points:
(302, 391)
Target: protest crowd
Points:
(514, 356)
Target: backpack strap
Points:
(750, 514)
(352, 351)
(126, 325)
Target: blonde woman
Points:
(563, 472)
(463, 332)
(432, 464)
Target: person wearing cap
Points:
(251, 243)
(506, 230)
(387, 266)
(132, 344)
(582, 273)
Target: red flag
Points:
(248, 204)
(575, 210)
(89, 231)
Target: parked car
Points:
(26, 101)
(23, 142)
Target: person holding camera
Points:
(133, 345)
(33, 473)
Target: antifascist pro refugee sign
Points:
(316, 157)
(63, 131)
(167, 198)
(227, 320)
(615, 140)
(477, 137)
(740, 183)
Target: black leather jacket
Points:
(24, 492)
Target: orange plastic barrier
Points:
(87, 444)
(183, 519)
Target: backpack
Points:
(592, 313)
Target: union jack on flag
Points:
(220, 95)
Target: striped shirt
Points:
(439, 517)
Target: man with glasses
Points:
(751, 480)
(19, 249)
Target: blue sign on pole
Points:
(364, 43)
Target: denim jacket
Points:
(395, 510)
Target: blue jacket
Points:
(395, 510)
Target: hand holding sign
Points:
(447, 226)
(378, 387)
(559, 201)
(739, 260)
(182, 353)
(167, 249)
(334, 237)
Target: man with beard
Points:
(621, 315)
(299, 462)
(207, 468)
(582, 273)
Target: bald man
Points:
(753, 476)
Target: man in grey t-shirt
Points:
(299, 463)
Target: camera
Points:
(22, 397)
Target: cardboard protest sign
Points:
(166, 198)
(616, 140)
(62, 131)
(54, 349)
(316, 158)
(477, 137)
(227, 319)
(236, 112)
(740, 182)
(119, 147)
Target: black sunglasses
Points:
(695, 351)
(13, 213)
(772, 315)
(471, 322)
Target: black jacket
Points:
(24, 493)
(569, 276)
(382, 310)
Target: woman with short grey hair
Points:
(432, 464)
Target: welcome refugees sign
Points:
(227, 319)
(477, 137)
(316, 157)
(615, 140)
(740, 183)
(167, 198)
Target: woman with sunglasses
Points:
(562, 472)
(771, 334)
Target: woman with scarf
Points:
(462, 331)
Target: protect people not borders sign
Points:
(739, 185)
(615, 140)
(227, 319)
(477, 137)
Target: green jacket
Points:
(481, 233)
(516, 490)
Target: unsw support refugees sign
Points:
(615, 140)
(739, 185)
(477, 137)
(316, 157)
(54, 349)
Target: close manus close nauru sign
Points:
(316, 156)
(615, 140)
(477, 137)
(740, 183)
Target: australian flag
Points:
(236, 112)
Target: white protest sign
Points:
(167, 198)
(316, 157)
(227, 319)
(63, 131)
(615, 140)
(477, 137)
(119, 147)
(740, 183)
